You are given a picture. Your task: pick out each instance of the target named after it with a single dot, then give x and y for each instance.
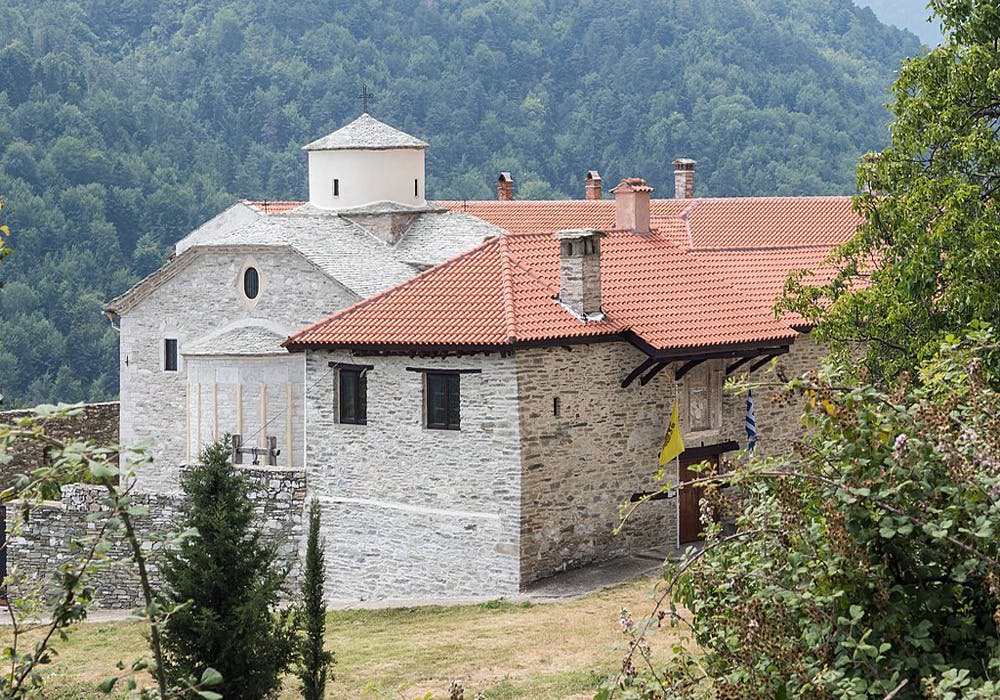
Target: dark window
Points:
(442, 401)
(415, 192)
(353, 395)
(170, 354)
(251, 282)
(336, 187)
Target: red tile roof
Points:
(503, 293)
(265, 206)
(754, 241)
(732, 222)
(707, 277)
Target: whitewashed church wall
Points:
(364, 177)
(410, 511)
(255, 397)
(199, 299)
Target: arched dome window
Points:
(251, 282)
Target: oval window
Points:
(251, 283)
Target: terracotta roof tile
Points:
(736, 222)
(503, 293)
(265, 206)
(777, 234)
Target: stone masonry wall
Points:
(779, 424)
(37, 546)
(200, 299)
(410, 511)
(97, 422)
(580, 465)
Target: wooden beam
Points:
(634, 374)
(739, 363)
(757, 365)
(652, 373)
(710, 450)
(685, 368)
(652, 496)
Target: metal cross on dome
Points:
(365, 97)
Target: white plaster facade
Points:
(360, 177)
(232, 375)
(412, 511)
(161, 408)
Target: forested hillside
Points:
(125, 123)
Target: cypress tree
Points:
(230, 578)
(314, 660)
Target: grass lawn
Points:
(544, 651)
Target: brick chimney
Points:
(505, 187)
(580, 272)
(684, 178)
(593, 185)
(632, 205)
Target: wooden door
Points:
(689, 499)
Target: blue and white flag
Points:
(751, 423)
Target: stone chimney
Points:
(684, 178)
(593, 185)
(580, 272)
(632, 205)
(505, 187)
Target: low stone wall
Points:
(39, 544)
(97, 422)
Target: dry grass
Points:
(546, 651)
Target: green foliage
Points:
(230, 577)
(870, 564)
(56, 611)
(124, 124)
(314, 660)
(929, 249)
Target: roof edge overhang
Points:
(776, 346)
(715, 351)
(127, 300)
(310, 148)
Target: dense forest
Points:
(125, 123)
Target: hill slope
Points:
(125, 123)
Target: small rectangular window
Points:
(416, 193)
(352, 392)
(336, 187)
(170, 354)
(442, 400)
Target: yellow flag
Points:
(673, 443)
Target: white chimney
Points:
(632, 205)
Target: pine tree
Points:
(230, 576)
(314, 660)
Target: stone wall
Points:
(200, 299)
(778, 416)
(97, 422)
(602, 447)
(411, 511)
(38, 545)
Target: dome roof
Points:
(365, 133)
